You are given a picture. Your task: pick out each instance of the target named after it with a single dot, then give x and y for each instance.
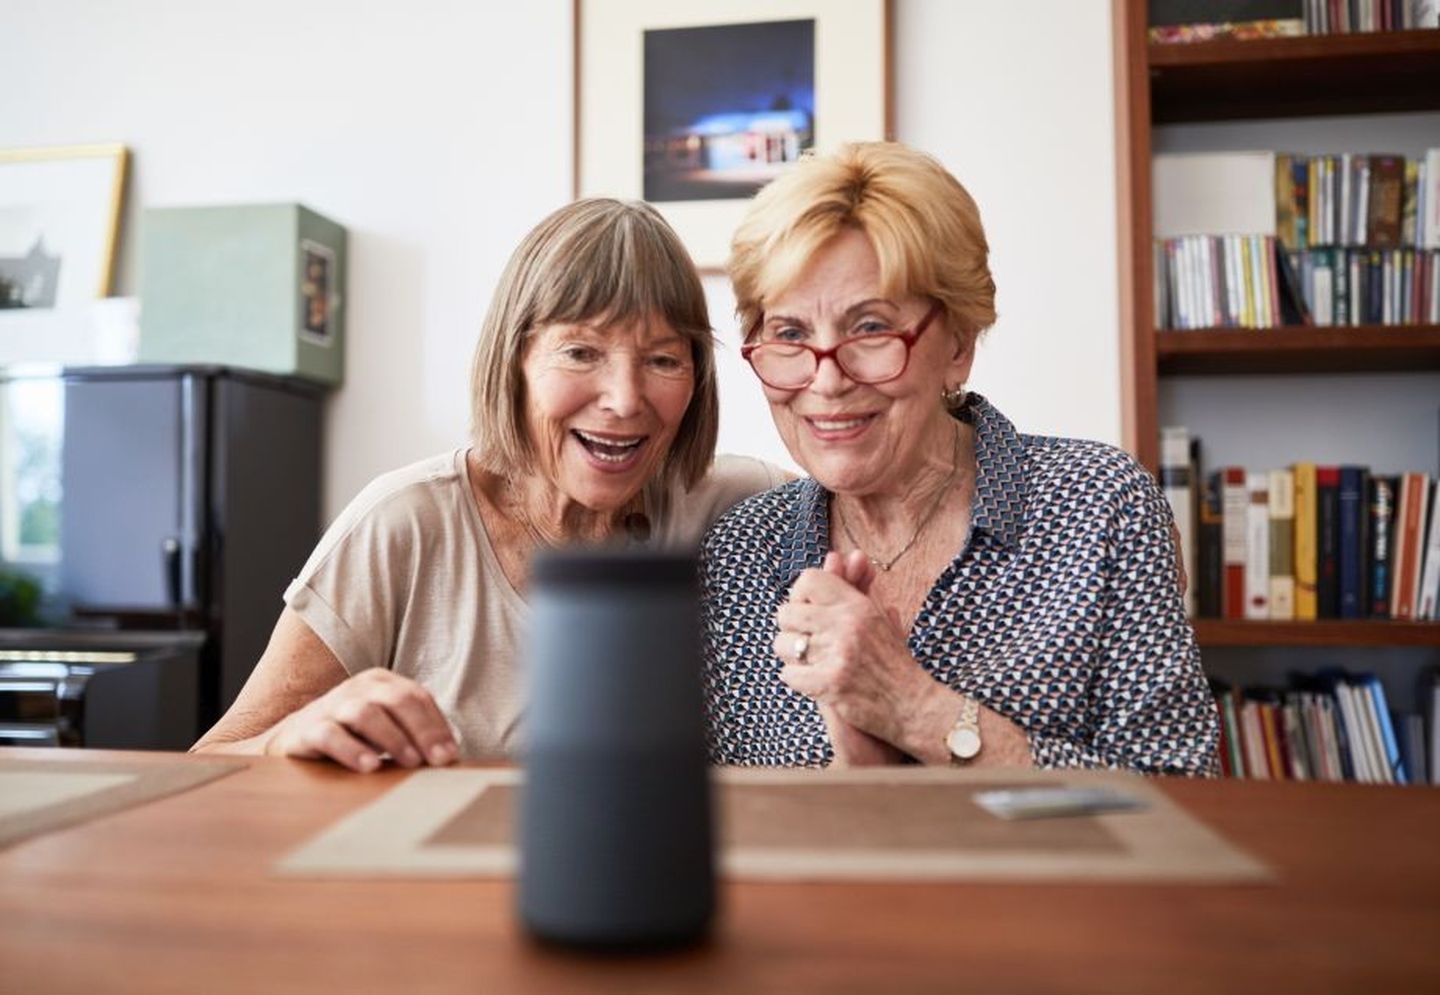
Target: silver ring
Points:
(802, 646)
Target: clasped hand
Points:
(855, 664)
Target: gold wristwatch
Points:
(963, 739)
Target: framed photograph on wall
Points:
(59, 229)
(694, 105)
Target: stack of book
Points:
(1343, 17)
(1181, 21)
(1362, 232)
(1333, 726)
(1360, 236)
(1304, 542)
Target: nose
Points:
(830, 380)
(621, 388)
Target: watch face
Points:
(964, 743)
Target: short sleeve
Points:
(1152, 709)
(352, 590)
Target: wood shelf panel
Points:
(1228, 79)
(1211, 632)
(1357, 349)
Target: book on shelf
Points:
(1382, 541)
(1353, 514)
(1306, 578)
(1257, 545)
(1427, 591)
(1304, 542)
(1333, 725)
(1188, 21)
(1281, 510)
(1261, 239)
(1235, 508)
(1175, 470)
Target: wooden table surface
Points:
(177, 896)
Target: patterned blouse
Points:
(1061, 612)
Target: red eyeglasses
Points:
(867, 359)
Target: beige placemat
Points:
(37, 796)
(866, 824)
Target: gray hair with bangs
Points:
(595, 261)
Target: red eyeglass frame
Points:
(909, 338)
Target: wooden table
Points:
(178, 896)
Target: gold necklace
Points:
(885, 565)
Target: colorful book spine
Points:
(1236, 503)
(1428, 592)
(1382, 518)
(1327, 537)
(1353, 515)
(1211, 542)
(1176, 481)
(1305, 548)
(1282, 545)
(1257, 546)
(1414, 499)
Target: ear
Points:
(957, 371)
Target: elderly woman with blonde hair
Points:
(594, 419)
(943, 588)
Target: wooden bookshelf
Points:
(1228, 79)
(1357, 349)
(1295, 77)
(1330, 632)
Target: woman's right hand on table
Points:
(374, 712)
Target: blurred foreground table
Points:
(178, 895)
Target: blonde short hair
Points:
(594, 261)
(923, 225)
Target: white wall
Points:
(438, 131)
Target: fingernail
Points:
(411, 757)
(368, 762)
(439, 754)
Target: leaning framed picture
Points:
(59, 229)
(694, 105)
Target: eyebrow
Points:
(850, 311)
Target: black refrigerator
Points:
(188, 498)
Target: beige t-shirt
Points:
(406, 578)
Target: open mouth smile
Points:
(614, 450)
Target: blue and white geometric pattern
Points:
(1062, 613)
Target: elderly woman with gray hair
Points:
(594, 417)
(942, 588)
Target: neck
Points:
(882, 515)
(555, 519)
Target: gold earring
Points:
(953, 397)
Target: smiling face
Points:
(603, 404)
(860, 439)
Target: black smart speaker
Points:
(616, 842)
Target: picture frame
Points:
(659, 116)
(60, 211)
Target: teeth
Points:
(612, 443)
(838, 426)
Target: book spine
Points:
(1257, 547)
(1327, 535)
(1282, 545)
(1407, 545)
(1236, 508)
(1429, 587)
(1382, 517)
(1352, 549)
(1211, 542)
(1305, 549)
(1175, 479)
